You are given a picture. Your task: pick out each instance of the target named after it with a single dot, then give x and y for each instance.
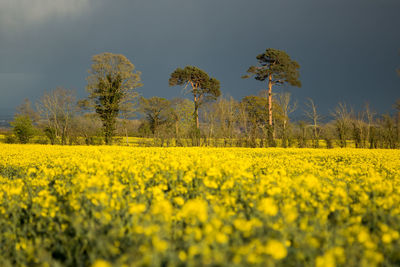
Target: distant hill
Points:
(6, 116)
(5, 122)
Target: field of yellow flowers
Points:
(123, 206)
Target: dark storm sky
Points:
(348, 50)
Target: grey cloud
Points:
(347, 50)
(19, 14)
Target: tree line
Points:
(108, 114)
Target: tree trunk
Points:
(196, 113)
(108, 131)
(270, 100)
(196, 104)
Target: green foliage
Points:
(279, 65)
(277, 68)
(51, 134)
(256, 111)
(255, 106)
(10, 139)
(111, 86)
(203, 87)
(144, 129)
(23, 128)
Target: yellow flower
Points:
(195, 209)
(180, 201)
(276, 249)
(327, 260)
(162, 207)
(221, 238)
(268, 206)
(363, 236)
(159, 245)
(386, 238)
(101, 263)
(182, 255)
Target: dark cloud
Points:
(348, 50)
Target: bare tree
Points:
(397, 107)
(182, 118)
(26, 109)
(243, 122)
(128, 110)
(342, 120)
(388, 132)
(312, 114)
(157, 110)
(360, 129)
(210, 117)
(226, 109)
(86, 126)
(286, 108)
(370, 132)
(57, 109)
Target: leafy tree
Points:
(277, 68)
(111, 85)
(51, 134)
(23, 128)
(203, 87)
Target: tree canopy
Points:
(203, 87)
(111, 86)
(23, 128)
(277, 68)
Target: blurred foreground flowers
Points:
(119, 206)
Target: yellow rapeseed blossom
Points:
(195, 210)
(268, 206)
(276, 249)
(101, 263)
(108, 206)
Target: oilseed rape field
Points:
(124, 206)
